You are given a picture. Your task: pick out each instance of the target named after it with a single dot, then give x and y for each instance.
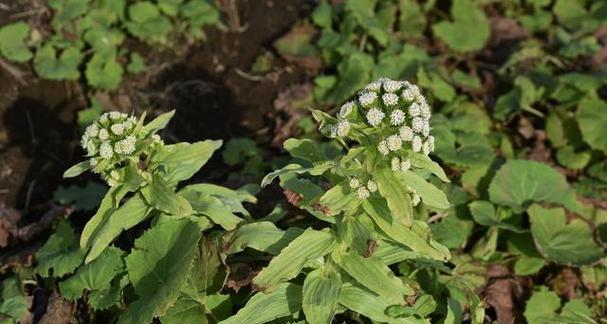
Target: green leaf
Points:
(181, 161)
(112, 223)
(103, 71)
(263, 308)
(12, 42)
(412, 20)
(486, 214)
(526, 266)
(592, 118)
(77, 169)
(88, 115)
(430, 194)
(543, 304)
(82, 198)
(354, 71)
(469, 30)
(305, 149)
(338, 198)
(520, 182)
(396, 195)
(136, 63)
(49, 65)
(322, 14)
(159, 195)
(423, 161)
(372, 273)
(571, 244)
(567, 157)
(158, 123)
(96, 277)
(147, 23)
(262, 236)
(320, 295)
(380, 214)
(12, 300)
(158, 268)
(365, 302)
(308, 246)
(61, 252)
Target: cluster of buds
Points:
(362, 191)
(395, 111)
(109, 141)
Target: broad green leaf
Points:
(320, 295)
(423, 161)
(454, 312)
(322, 15)
(372, 273)
(185, 310)
(82, 198)
(567, 157)
(12, 301)
(369, 304)
(158, 268)
(134, 211)
(412, 20)
(310, 245)
(430, 194)
(379, 212)
(571, 244)
(108, 205)
(354, 71)
(57, 66)
(520, 182)
(60, 253)
(181, 161)
(159, 195)
(103, 71)
(396, 195)
(96, 277)
(542, 305)
(214, 209)
(136, 63)
(526, 266)
(592, 118)
(12, 42)
(305, 149)
(469, 30)
(266, 307)
(262, 236)
(486, 214)
(147, 23)
(338, 199)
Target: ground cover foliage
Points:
(485, 200)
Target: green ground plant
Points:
(91, 35)
(174, 271)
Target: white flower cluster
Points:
(397, 113)
(362, 191)
(111, 138)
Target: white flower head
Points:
(382, 147)
(394, 142)
(117, 129)
(416, 143)
(392, 85)
(374, 86)
(395, 164)
(405, 165)
(425, 110)
(426, 148)
(93, 162)
(375, 116)
(415, 200)
(92, 130)
(103, 134)
(418, 124)
(115, 115)
(342, 128)
(397, 117)
(103, 119)
(405, 133)
(105, 150)
(362, 193)
(415, 109)
(426, 128)
(367, 98)
(354, 183)
(430, 141)
(390, 99)
(346, 109)
(371, 186)
(91, 148)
